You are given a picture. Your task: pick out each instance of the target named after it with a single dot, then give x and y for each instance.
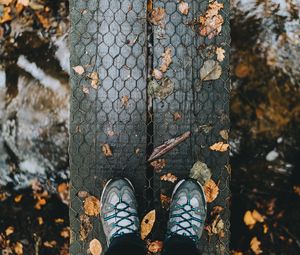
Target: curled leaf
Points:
(95, 247)
(95, 79)
(220, 146)
(92, 206)
(106, 150)
(211, 191)
(147, 224)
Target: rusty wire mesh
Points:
(116, 40)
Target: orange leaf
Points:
(158, 164)
(18, 198)
(168, 177)
(95, 247)
(255, 245)
(211, 191)
(220, 146)
(147, 224)
(165, 201)
(92, 206)
(18, 248)
(157, 15)
(5, 15)
(155, 246)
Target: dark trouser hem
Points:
(179, 245)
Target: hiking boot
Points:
(118, 209)
(187, 210)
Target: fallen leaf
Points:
(85, 227)
(220, 146)
(85, 89)
(255, 245)
(200, 172)
(59, 220)
(18, 198)
(250, 218)
(211, 190)
(78, 69)
(168, 177)
(65, 233)
(91, 206)
(24, 2)
(265, 228)
(217, 227)
(63, 191)
(9, 230)
(158, 75)
(165, 89)
(5, 2)
(211, 70)
(297, 190)
(166, 60)
(211, 22)
(257, 216)
(18, 248)
(5, 15)
(82, 194)
(124, 100)
(155, 246)
(242, 70)
(49, 244)
(157, 16)
(236, 253)
(168, 145)
(95, 247)
(147, 224)
(45, 22)
(224, 134)
(220, 54)
(106, 150)
(183, 8)
(216, 211)
(176, 116)
(158, 164)
(40, 220)
(95, 79)
(165, 201)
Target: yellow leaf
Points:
(147, 224)
(255, 245)
(9, 230)
(211, 190)
(257, 216)
(249, 220)
(18, 198)
(18, 248)
(95, 247)
(5, 15)
(220, 146)
(184, 8)
(40, 220)
(92, 206)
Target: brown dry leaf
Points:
(63, 191)
(85, 227)
(216, 211)
(255, 245)
(157, 16)
(18, 248)
(165, 89)
(147, 223)
(65, 233)
(200, 172)
(165, 201)
(95, 247)
(211, 22)
(297, 190)
(49, 244)
(155, 246)
(166, 60)
(18, 198)
(124, 100)
(168, 177)
(211, 191)
(220, 146)
(78, 69)
(85, 89)
(242, 70)
(3, 196)
(95, 79)
(217, 227)
(183, 8)
(211, 70)
(158, 75)
(92, 206)
(224, 134)
(5, 15)
(220, 54)
(149, 5)
(9, 230)
(158, 164)
(106, 150)
(45, 22)
(177, 116)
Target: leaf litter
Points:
(147, 223)
(95, 247)
(168, 177)
(92, 206)
(211, 190)
(200, 172)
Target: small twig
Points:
(168, 145)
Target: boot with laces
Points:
(119, 209)
(187, 210)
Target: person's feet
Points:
(118, 209)
(187, 210)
